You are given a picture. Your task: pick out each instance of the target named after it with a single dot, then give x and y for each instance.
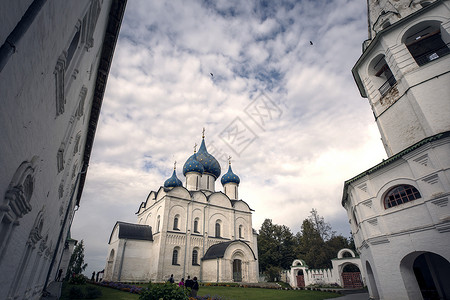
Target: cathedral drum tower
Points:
(398, 210)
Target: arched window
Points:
(240, 231)
(158, 222)
(400, 194)
(175, 223)
(175, 257)
(196, 225)
(217, 229)
(195, 257)
(425, 43)
(385, 78)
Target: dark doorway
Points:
(432, 272)
(351, 277)
(300, 279)
(237, 270)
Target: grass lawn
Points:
(107, 293)
(231, 293)
(228, 293)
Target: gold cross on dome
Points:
(203, 133)
(195, 148)
(175, 165)
(229, 160)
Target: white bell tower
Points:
(405, 70)
(399, 210)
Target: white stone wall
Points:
(44, 117)
(136, 262)
(324, 276)
(206, 207)
(386, 236)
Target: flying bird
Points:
(311, 43)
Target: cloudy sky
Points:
(287, 112)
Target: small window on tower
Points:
(425, 43)
(383, 71)
(196, 226)
(175, 223)
(217, 229)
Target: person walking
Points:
(189, 282)
(195, 287)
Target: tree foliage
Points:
(76, 264)
(276, 245)
(316, 244)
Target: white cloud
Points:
(160, 94)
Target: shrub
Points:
(167, 291)
(92, 292)
(77, 279)
(76, 292)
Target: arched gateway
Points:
(346, 272)
(426, 273)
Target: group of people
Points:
(189, 283)
(96, 276)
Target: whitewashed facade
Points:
(54, 62)
(398, 210)
(193, 231)
(300, 275)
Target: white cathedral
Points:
(399, 210)
(190, 230)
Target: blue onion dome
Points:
(192, 165)
(230, 177)
(173, 181)
(209, 162)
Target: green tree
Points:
(318, 243)
(312, 247)
(276, 245)
(76, 264)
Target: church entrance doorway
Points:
(237, 270)
(351, 277)
(300, 279)
(432, 272)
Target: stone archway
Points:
(432, 272)
(300, 279)
(109, 266)
(372, 284)
(351, 277)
